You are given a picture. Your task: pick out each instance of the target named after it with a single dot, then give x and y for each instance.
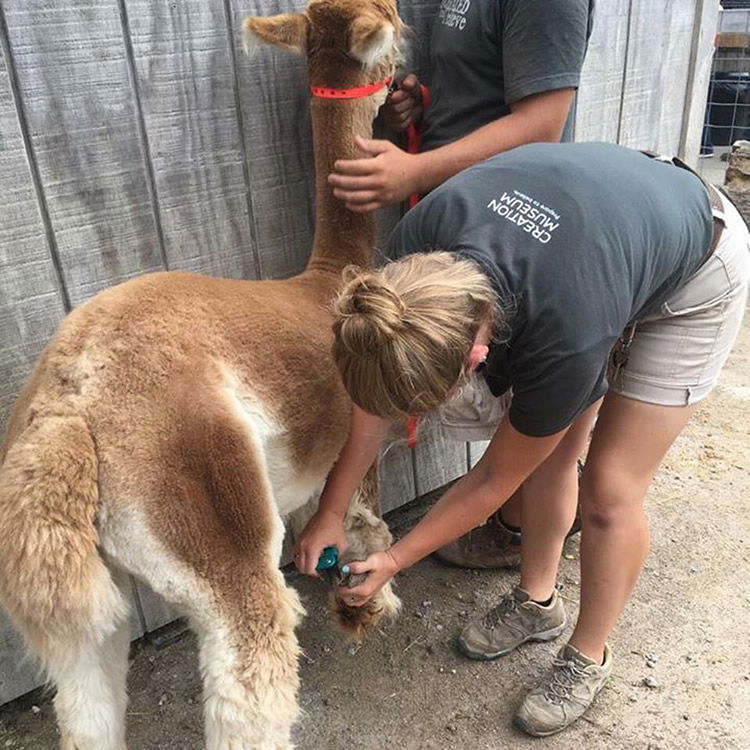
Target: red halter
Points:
(323, 92)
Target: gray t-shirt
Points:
(579, 239)
(488, 54)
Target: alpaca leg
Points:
(91, 692)
(249, 666)
(218, 565)
(366, 533)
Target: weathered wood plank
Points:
(600, 93)
(437, 461)
(185, 76)
(699, 72)
(30, 302)
(275, 120)
(396, 471)
(73, 76)
(156, 612)
(18, 673)
(30, 308)
(733, 39)
(656, 74)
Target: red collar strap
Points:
(359, 92)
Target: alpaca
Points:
(172, 423)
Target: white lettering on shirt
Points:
(529, 214)
(452, 13)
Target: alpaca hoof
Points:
(356, 621)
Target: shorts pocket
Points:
(709, 287)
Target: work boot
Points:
(516, 620)
(565, 695)
(492, 545)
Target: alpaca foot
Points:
(356, 621)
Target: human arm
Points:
(508, 461)
(388, 174)
(326, 527)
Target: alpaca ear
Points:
(371, 39)
(286, 30)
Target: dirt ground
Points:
(682, 648)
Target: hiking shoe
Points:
(569, 690)
(493, 545)
(514, 621)
(489, 546)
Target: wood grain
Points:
(656, 74)
(73, 76)
(599, 98)
(437, 461)
(31, 305)
(275, 127)
(185, 82)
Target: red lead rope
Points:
(413, 144)
(411, 431)
(414, 137)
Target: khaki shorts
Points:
(676, 355)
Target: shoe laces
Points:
(507, 608)
(565, 675)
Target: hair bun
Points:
(368, 311)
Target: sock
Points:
(544, 603)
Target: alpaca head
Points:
(347, 43)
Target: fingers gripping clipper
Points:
(329, 568)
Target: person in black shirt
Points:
(504, 74)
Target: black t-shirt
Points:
(579, 240)
(488, 54)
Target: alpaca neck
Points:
(342, 237)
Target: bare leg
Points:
(510, 513)
(629, 443)
(550, 496)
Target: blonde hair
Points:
(403, 333)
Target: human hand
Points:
(324, 529)
(404, 106)
(379, 567)
(387, 176)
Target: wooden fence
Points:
(134, 136)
